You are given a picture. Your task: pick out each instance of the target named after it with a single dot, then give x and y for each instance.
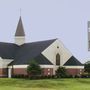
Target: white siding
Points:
(5, 62)
(19, 40)
(52, 50)
(1, 61)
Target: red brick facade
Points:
(45, 71)
(74, 71)
(17, 71)
(3, 72)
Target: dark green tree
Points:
(87, 67)
(33, 69)
(61, 72)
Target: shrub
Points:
(85, 75)
(69, 76)
(34, 70)
(87, 67)
(61, 72)
(76, 76)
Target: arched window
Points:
(58, 59)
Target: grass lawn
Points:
(45, 84)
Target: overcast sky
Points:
(48, 19)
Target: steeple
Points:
(20, 34)
(20, 29)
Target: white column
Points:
(9, 72)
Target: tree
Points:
(61, 72)
(87, 67)
(34, 70)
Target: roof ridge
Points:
(7, 43)
(41, 41)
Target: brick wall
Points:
(45, 71)
(3, 72)
(74, 71)
(17, 71)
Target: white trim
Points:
(19, 40)
(9, 66)
(0, 58)
(47, 66)
(19, 36)
(20, 66)
(9, 72)
(25, 66)
(74, 67)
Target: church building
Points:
(49, 54)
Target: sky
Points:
(48, 19)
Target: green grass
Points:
(45, 84)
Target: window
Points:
(48, 69)
(57, 46)
(58, 59)
(48, 73)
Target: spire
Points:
(20, 29)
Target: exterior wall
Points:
(3, 72)
(17, 71)
(1, 62)
(74, 71)
(19, 40)
(25, 66)
(21, 69)
(4, 62)
(47, 71)
(74, 67)
(52, 50)
(3, 67)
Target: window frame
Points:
(57, 59)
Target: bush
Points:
(34, 70)
(69, 76)
(85, 75)
(61, 72)
(76, 76)
(87, 67)
(19, 76)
